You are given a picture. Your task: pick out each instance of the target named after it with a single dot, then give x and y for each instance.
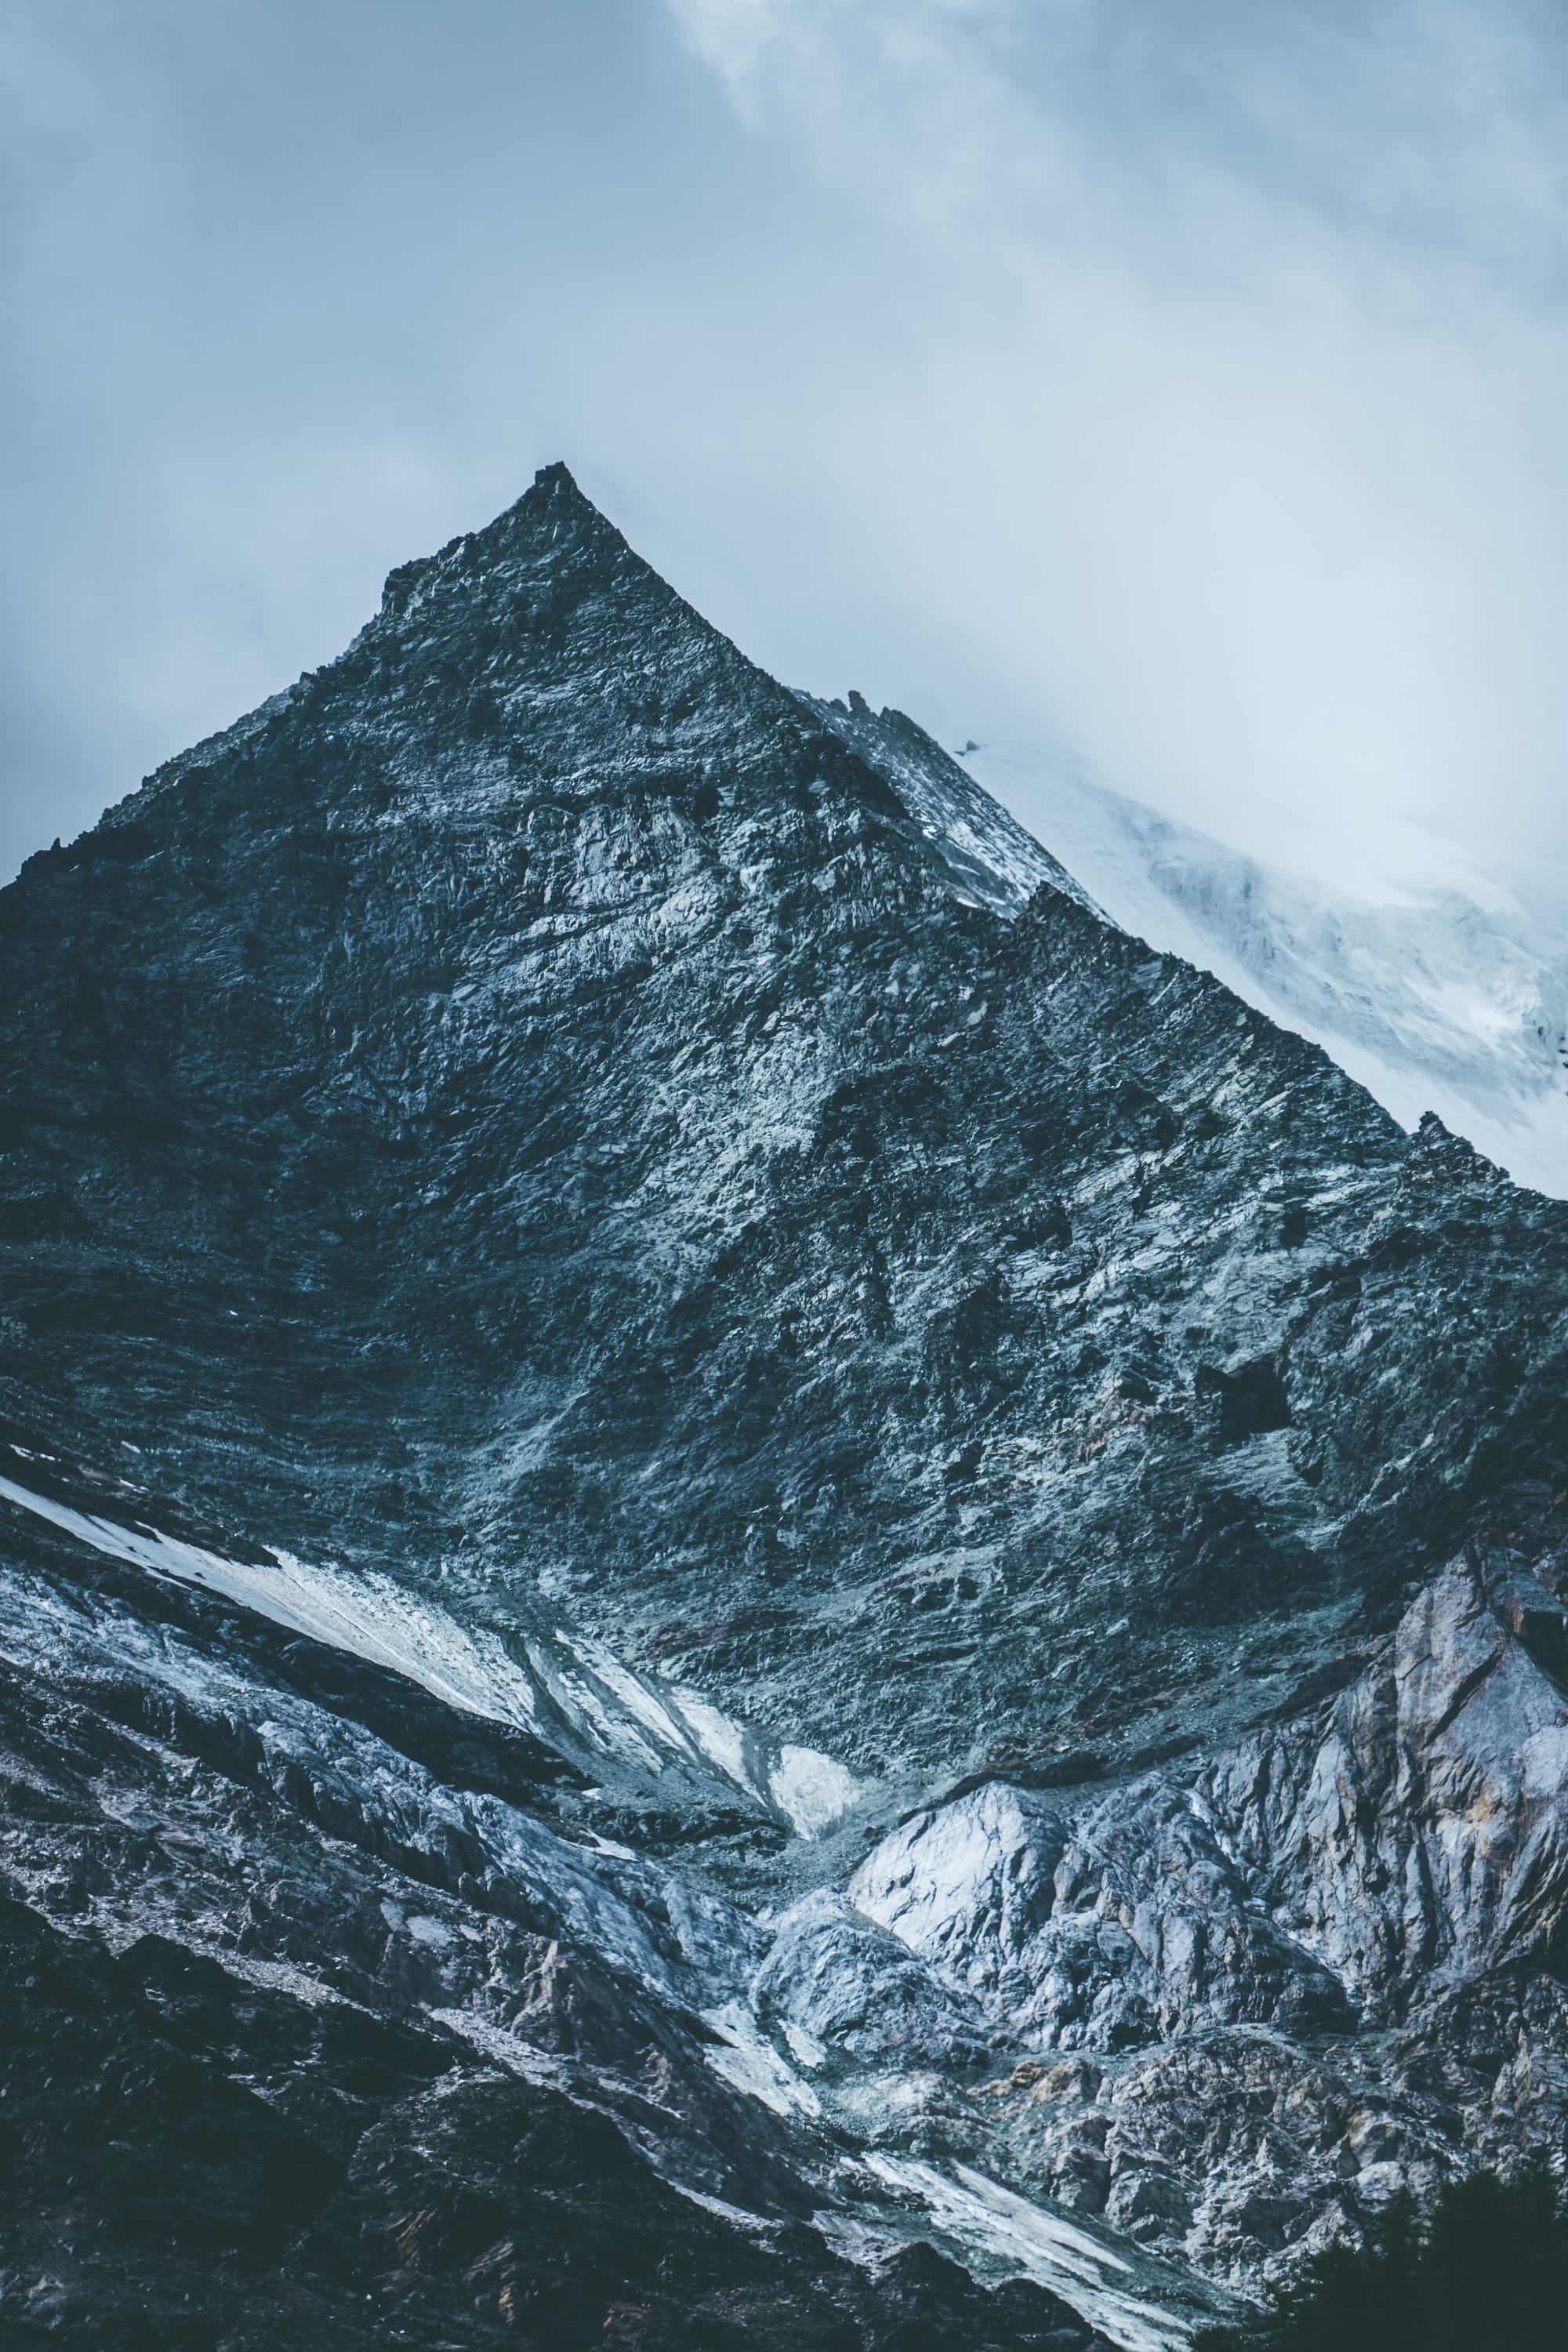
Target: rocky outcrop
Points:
(989, 859)
(1319, 1871)
(1131, 1925)
(1315, 1971)
(1420, 1837)
(833, 1981)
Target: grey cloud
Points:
(1182, 386)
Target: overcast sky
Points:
(1183, 386)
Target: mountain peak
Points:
(552, 514)
(599, 1284)
(557, 481)
(554, 498)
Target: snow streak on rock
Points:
(571, 1691)
(991, 2222)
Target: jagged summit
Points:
(559, 484)
(466, 689)
(524, 573)
(552, 517)
(469, 669)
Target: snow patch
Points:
(750, 2063)
(365, 1615)
(720, 1738)
(812, 1790)
(565, 1685)
(990, 2221)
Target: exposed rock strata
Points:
(1422, 1838)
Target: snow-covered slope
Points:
(1443, 1000)
(989, 859)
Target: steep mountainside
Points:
(611, 1281)
(1451, 1000)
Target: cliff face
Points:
(638, 1214)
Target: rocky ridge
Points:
(1451, 998)
(678, 1429)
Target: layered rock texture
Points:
(756, 1592)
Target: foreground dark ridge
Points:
(542, 1122)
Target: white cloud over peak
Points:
(1249, 326)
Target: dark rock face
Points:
(741, 1305)
(625, 1152)
(298, 2043)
